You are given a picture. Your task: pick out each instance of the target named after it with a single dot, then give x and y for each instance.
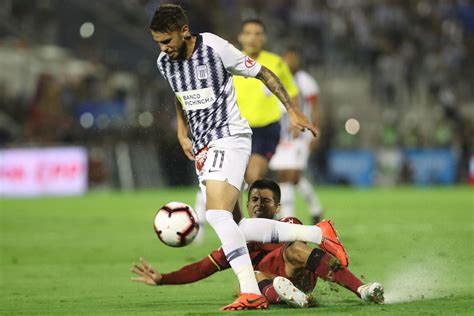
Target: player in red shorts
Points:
(285, 272)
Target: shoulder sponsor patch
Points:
(249, 62)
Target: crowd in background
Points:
(405, 69)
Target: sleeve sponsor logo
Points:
(249, 62)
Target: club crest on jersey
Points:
(249, 62)
(201, 72)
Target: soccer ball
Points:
(176, 224)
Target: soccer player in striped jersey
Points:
(199, 69)
(258, 105)
(292, 154)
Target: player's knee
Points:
(253, 174)
(297, 253)
(256, 169)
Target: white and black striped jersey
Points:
(204, 87)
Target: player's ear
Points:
(185, 33)
(278, 207)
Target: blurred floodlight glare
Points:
(86, 120)
(145, 119)
(87, 29)
(352, 126)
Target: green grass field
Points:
(73, 255)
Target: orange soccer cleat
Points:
(330, 242)
(247, 301)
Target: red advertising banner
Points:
(43, 171)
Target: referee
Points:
(256, 103)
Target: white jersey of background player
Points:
(199, 70)
(292, 154)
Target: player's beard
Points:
(182, 51)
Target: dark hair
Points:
(252, 20)
(168, 18)
(267, 184)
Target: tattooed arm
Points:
(273, 83)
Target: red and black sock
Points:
(319, 262)
(267, 289)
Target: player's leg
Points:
(299, 255)
(303, 185)
(290, 294)
(271, 231)
(237, 212)
(221, 198)
(287, 179)
(200, 209)
(309, 195)
(285, 162)
(264, 143)
(222, 175)
(279, 289)
(265, 283)
(256, 169)
(274, 283)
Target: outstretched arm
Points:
(188, 274)
(191, 273)
(273, 83)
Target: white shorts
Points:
(226, 159)
(291, 155)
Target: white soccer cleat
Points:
(371, 292)
(289, 293)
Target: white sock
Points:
(271, 231)
(235, 248)
(307, 191)
(287, 207)
(200, 209)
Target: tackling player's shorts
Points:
(224, 159)
(265, 139)
(274, 263)
(291, 155)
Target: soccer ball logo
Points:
(176, 224)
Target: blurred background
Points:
(83, 107)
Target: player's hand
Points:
(187, 147)
(300, 121)
(146, 273)
(295, 132)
